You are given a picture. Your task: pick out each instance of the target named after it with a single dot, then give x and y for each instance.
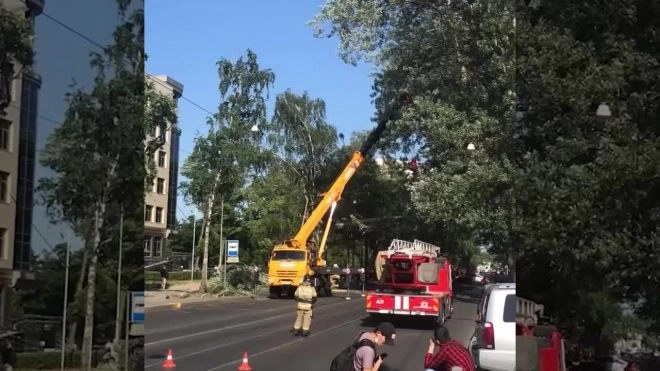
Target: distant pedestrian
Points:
(451, 355)
(163, 277)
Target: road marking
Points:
(246, 339)
(233, 326)
(229, 318)
(233, 363)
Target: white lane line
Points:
(234, 363)
(232, 326)
(284, 328)
(223, 319)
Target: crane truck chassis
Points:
(414, 280)
(291, 260)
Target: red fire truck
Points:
(413, 280)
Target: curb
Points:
(178, 304)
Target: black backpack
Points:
(344, 360)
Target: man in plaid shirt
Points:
(451, 356)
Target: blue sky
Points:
(63, 57)
(185, 41)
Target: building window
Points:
(158, 247)
(153, 131)
(147, 246)
(160, 186)
(5, 86)
(163, 134)
(3, 243)
(5, 134)
(147, 213)
(159, 215)
(4, 186)
(161, 158)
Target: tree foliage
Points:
(570, 195)
(16, 51)
(456, 60)
(303, 139)
(587, 186)
(98, 156)
(223, 160)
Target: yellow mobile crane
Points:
(291, 260)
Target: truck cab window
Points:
(288, 255)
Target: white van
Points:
(493, 345)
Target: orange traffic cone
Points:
(245, 366)
(168, 362)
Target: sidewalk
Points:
(178, 294)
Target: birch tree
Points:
(98, 153)
(221, 159)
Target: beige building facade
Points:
(19, 96)
(160, 203)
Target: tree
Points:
(99, 157)
(15, 48)
(585, 185)
(456, 60)
(222, 160)
(300, 133)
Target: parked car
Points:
(493, 345)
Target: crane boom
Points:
(334, 192)
(332, 195)
(292, 260)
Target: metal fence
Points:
(35, 333)
(178, 261)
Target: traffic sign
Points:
(137, 307)
(232, 251)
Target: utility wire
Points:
(86, 38)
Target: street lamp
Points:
(470, 147)
(603, 111)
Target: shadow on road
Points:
(385, 367)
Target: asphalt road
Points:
(213, 335)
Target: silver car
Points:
(493, 345)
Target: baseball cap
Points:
(388, 331)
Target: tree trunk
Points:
(222, 245)
(78, 297)
(207, 235)
(88, 335)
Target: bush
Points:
(183, 276)
(46, 360)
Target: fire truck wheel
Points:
(451, 308)
(440, 319)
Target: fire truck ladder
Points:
(411, 249)
(421, 245)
